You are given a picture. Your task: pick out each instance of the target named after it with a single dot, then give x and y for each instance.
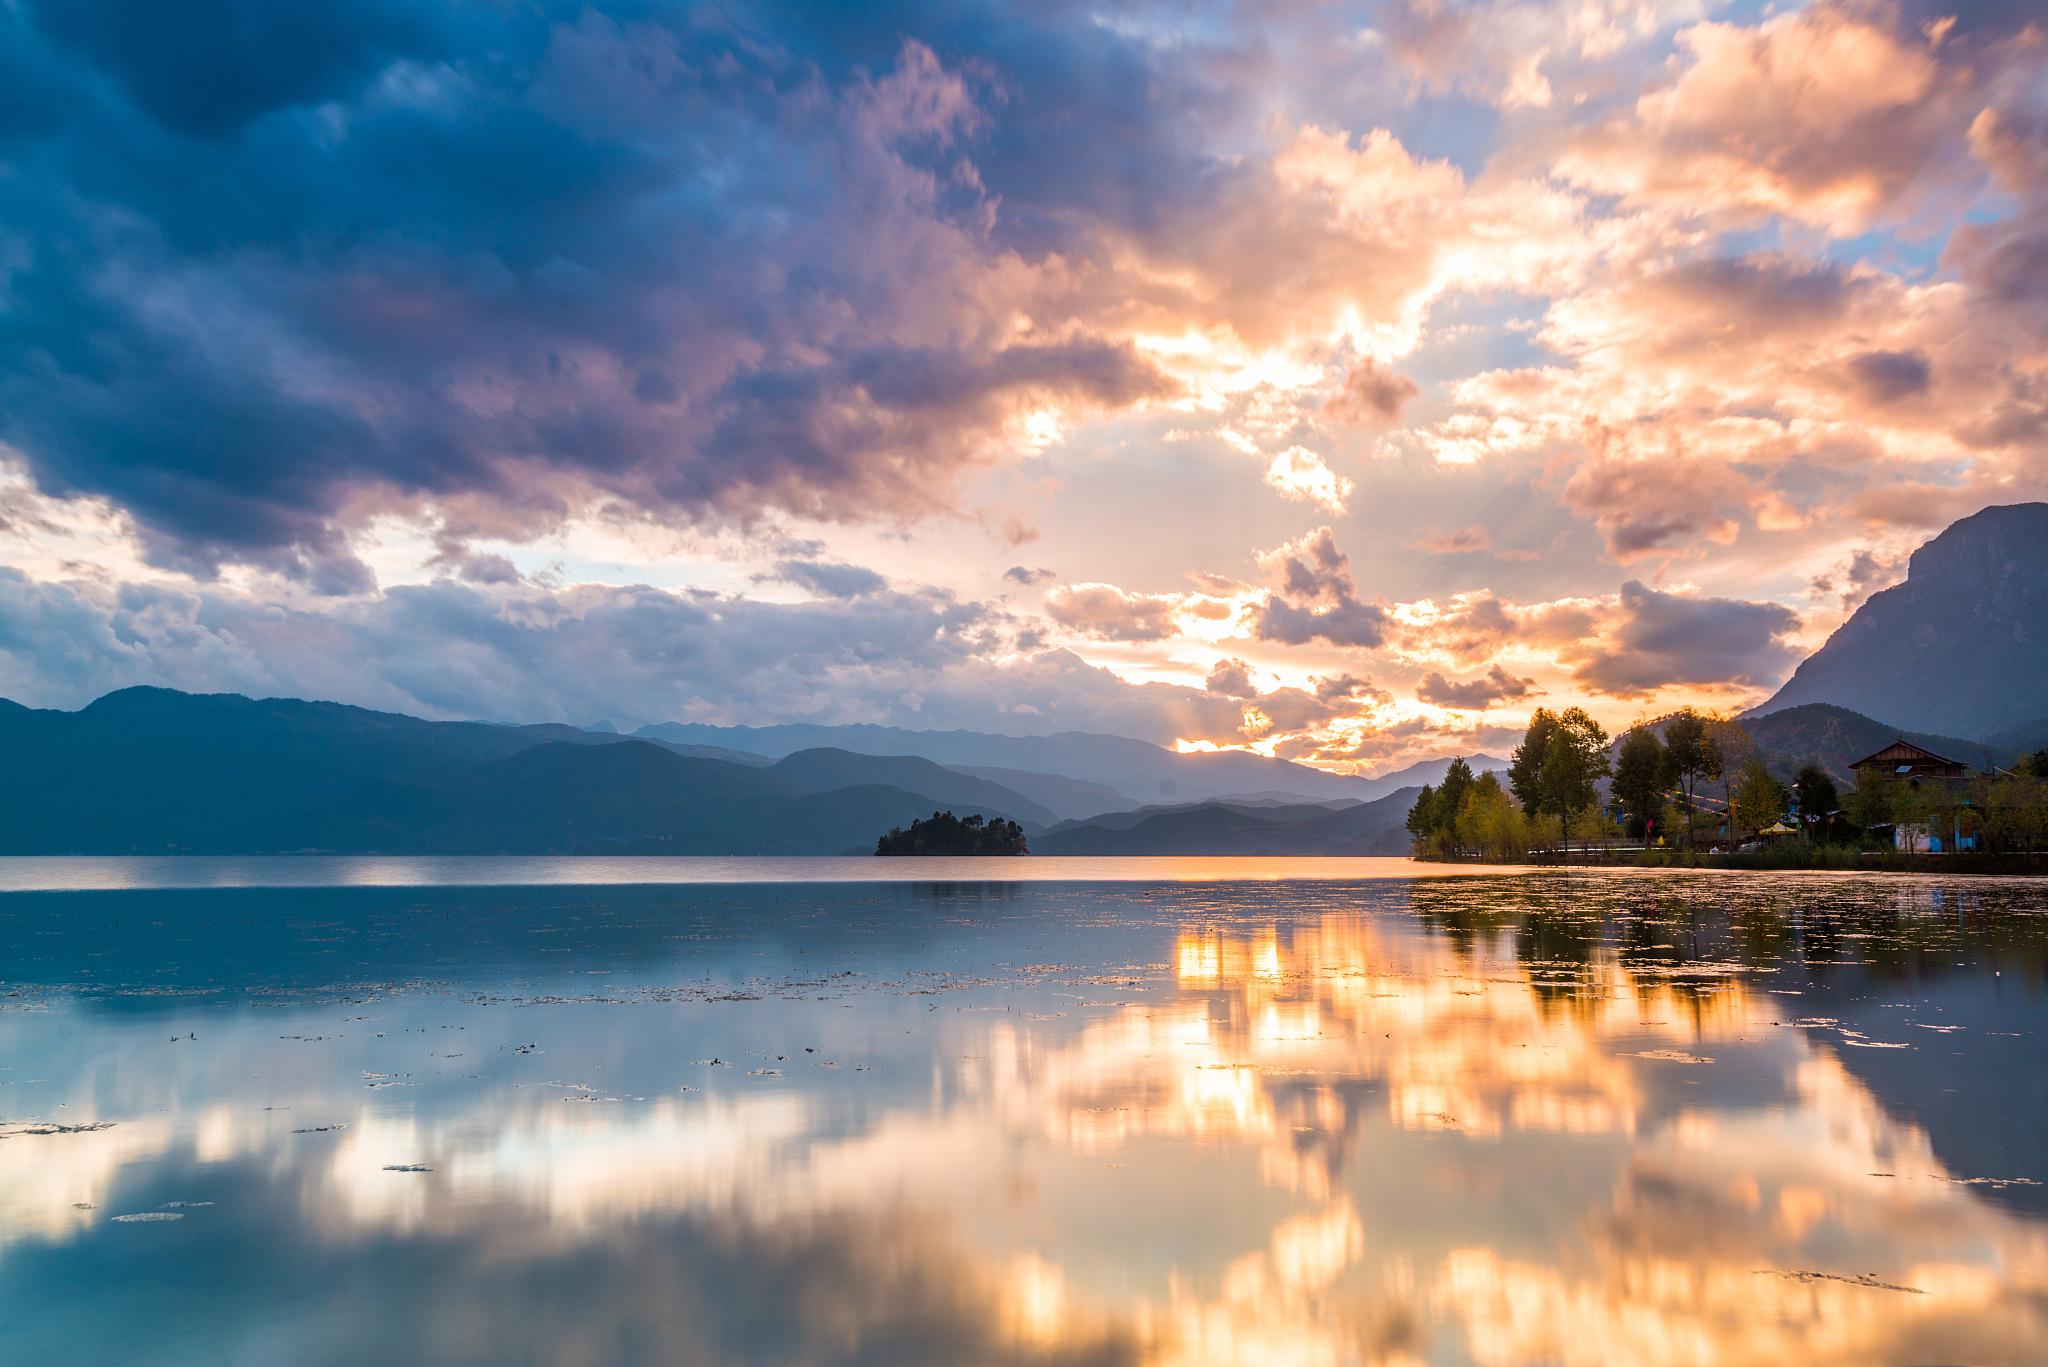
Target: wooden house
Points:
(1916, 766)
(1913, 763)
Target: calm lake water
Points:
(1177, 1118)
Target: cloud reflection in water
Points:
(1492, 1120)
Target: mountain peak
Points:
(1959, 647)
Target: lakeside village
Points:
(1692, 788)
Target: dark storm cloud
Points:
(268, 269)
(1345, 623)
(1886, 376)
(206, 68)
(830, 579)
(1474, 695)
(1657, 639)
(1318, 600)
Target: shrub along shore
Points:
(1791, 855)
(1661, 811)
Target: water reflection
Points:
(1578, 1119)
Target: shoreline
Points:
(1825, 860)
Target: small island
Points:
(944, 833)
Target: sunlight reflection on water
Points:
(1593, 1119)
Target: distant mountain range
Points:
(1136, 771)
(1834, 738)
(1960, 647)
(151, 770)
(1231, 828)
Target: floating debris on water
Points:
(1868, 1279)
(1670, 1056)
(148, 1217)
(407, 1167)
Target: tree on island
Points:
(944, 833)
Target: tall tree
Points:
(1556, 768)
(1639, 779)
(1525, 767)
(1736, 748)
(1422, 817)
(1758, 799)
(1437, 820)
(1876, 800)
(1691, 754)
(1815, 793)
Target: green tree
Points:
(1815, 793)
(1735, 746)
(1493, 823)
(2013, 812)
(1558, 765)
(1639, 780)
(1691, 755)
(1525, 767)
(1422, 818)
(944, 833)
(1436, 819)
(1876, 800)
(1590, 825)
(1757, 801)
(1451, 804)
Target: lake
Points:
(1017, 1111)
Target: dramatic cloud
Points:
(1108, 613)
(423, 354)
(829, 580)
(1474, 695)
(1232, 679)
(1299, 473)
(525, 653)
(417, 257)
(1321, 604)
(1829, 114)
(1372, 394)
(1660, 639)
(1864, 573)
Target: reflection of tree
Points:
(1908, 929)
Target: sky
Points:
(1339, 381)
